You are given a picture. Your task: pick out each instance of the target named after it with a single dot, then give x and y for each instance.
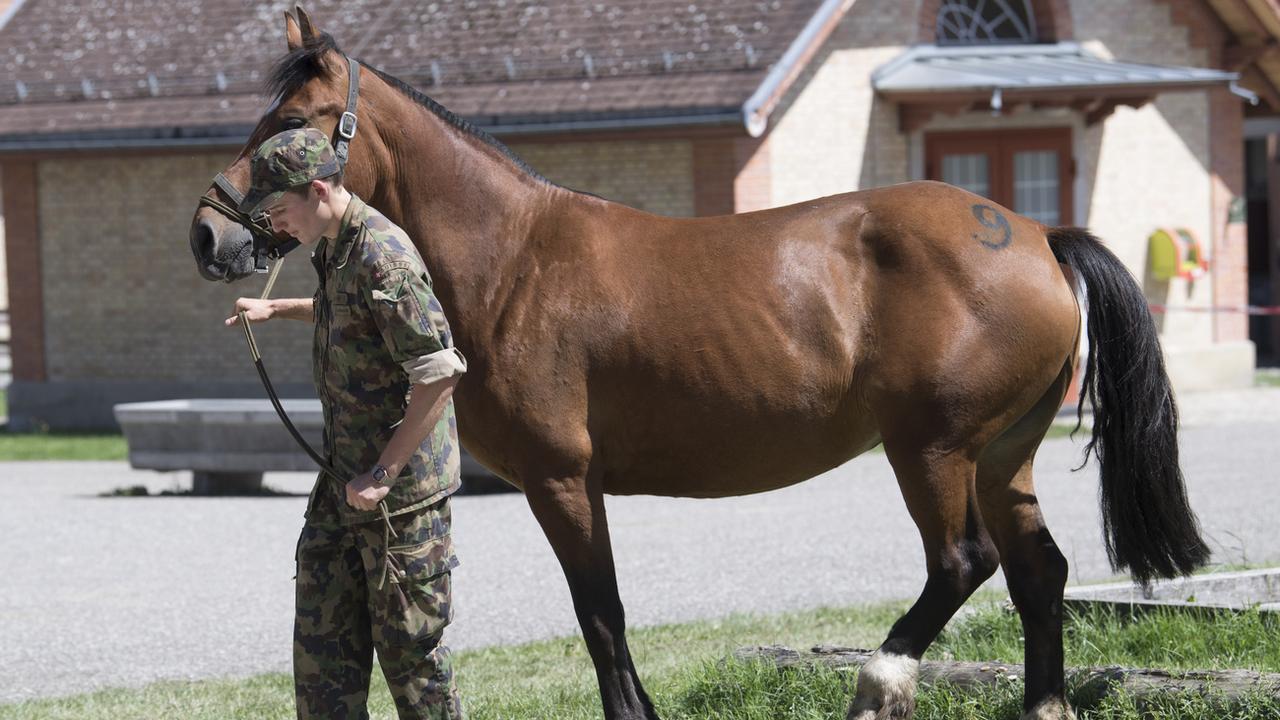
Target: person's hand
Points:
(365, 494)
(255, 310)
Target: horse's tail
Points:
(1148, 526)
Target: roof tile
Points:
(168, 61)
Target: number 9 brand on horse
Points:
(615, 351)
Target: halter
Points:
(265, 243)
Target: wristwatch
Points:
(379, 474)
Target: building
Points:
(1125, 117)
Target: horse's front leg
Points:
(571, 513)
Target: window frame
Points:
(1000, 147)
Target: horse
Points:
(616, 351)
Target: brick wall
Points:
(1231, 244)
(122, 300)
(121, 297)
(22, 251)
(655, 175)
(831, 134)
(1152, 164)
(732, 174)
(1136, 171)
(4, 275)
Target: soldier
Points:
(375, 554)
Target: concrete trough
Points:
(228, 444)
(1212, 593)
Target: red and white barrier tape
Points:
(1246, 309)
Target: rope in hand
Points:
(388, 532)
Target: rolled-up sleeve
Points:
(439, 365)
(413, 327)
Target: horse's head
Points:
(310, 86)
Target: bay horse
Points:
(616, 351)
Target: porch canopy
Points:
(928, 79)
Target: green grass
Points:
(1162, 639)
(57, 445)
(1266, 377)
(1064, 429)
(47, 445)
(62, 446)
(550, 680)
(686, 672)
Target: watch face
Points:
(379, 474)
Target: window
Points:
(977, 22)
(1028, 171)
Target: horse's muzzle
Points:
(221, 253)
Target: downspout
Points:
(13, 10)
(756, 110)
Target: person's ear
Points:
(321, 189)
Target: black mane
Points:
(306, 63)
(300, 66)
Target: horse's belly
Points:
(727, 458)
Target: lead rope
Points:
(388, 531)
(263, 236)
(266, 380)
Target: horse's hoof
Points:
(1050, 709)
(886, 688)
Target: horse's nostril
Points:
(204, 245)
(203, 242)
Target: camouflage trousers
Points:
(357, 593)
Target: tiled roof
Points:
(107, 65)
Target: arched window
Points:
(980, 22)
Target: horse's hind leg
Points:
(571, 513)
(1035, 570)
(939, 490)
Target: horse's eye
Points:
(294, 123)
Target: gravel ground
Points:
(119, 591)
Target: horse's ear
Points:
(308, 28)
(292, 33)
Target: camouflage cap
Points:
(284, 161)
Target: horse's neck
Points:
(471, 219)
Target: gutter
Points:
(233, 136)
(228, 136)
(60, 145)
(756, 110)
(13, 10)
(726, 117)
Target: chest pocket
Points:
(346, 310)
(342, 303)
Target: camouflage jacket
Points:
(378, 329)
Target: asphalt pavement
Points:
(119, 591)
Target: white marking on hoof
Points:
(1050, 709)
(886, 688)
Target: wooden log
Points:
(1138, 682)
